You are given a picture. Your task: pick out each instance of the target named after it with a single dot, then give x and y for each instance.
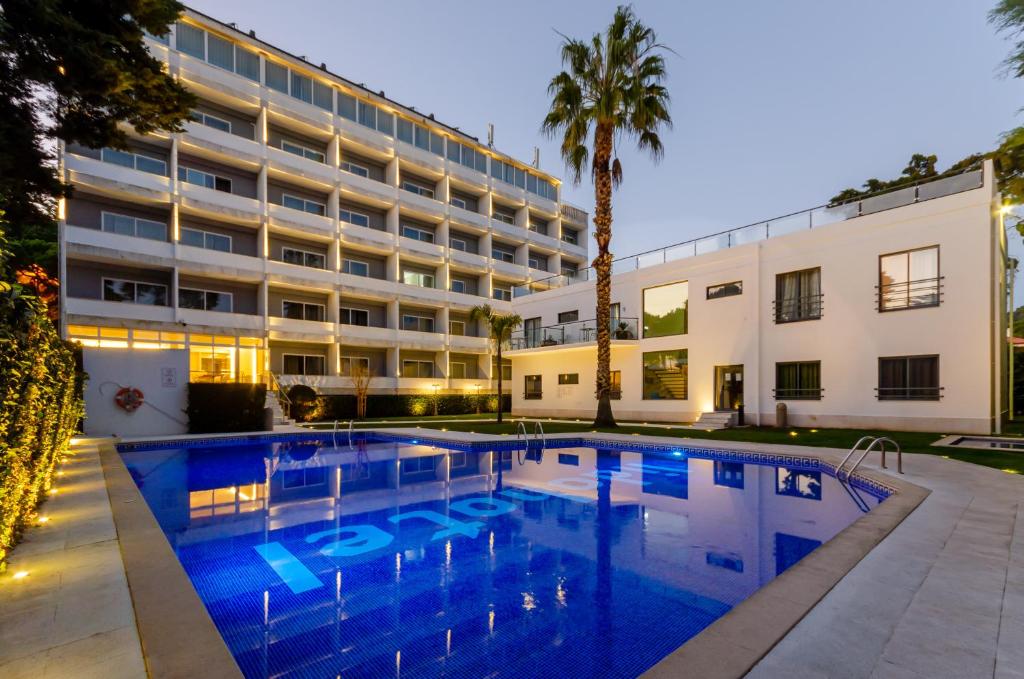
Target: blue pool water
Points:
(398, 558)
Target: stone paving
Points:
(72, 615)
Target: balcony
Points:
(116, 179)
(219, 203)
(508, 269)
(310, 170)
(301, 275)
(544, 241)
(421, 341)
(290, 109)
(364, 285)
(415, 203)
(516, 233)
(477, 263)
(623, 331)
(229, 147)
(424, 159)
(220, 319)
(380, 241)
(364, 187)
(292, 328)
(196, 72)
(118, 247)
(431, 296)
(574, 215)
(542, 204)
(509, 192)
(467, 175)
(474, 220)
(299, 220)
(78, 306)
(367, 336)
(420, 251)
(203, 262)
(365, 136)
(469, 345)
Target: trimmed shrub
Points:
(304, 403)
(216, 408)
(40, 406)
(343, 406)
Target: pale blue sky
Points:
(777, 105)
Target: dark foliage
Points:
(343, 406)
(218, 408)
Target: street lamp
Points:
(436, 388)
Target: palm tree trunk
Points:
(500, 395)
(603, 267)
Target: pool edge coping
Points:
(729, 647)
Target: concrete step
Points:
(720, 419)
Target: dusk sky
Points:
(777, 105)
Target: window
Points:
(303, 478)
(247, 64)
(458, 202)
(422, 280)
(418, 465)
(457, 370)
(570, 236)
(126, 225)
(467, 156)
(200, 178)
(276, 76)
(303, 258)
(303, 204)
(665, 310)
(412, 368)
(798, 381)
(134, 161)
(302, 88)
(458, 286)
(220, 52)
(798, 296)
(665, 375)
(302, 364)
(205, 300)
(725, 290)
(538, 226)
(909, 378)
(349, 316)
(569, 316)
(417, 323)
(533, 387)
(798, 483)
(503, 216)
(729, 474)
(570, 270)
(211, 121)
(909, 279)
(304, 151)
(457, 244)
(357, 218)
(355, 268)
(302, 311)
(506, 368)
(134, 292)
(205, 239)
(504, 294)
(352, 168)
(366, 114)
(357, 363)
(416, 188)
(416, 233)
(616, 384)
(457, 328)
(569, 378)
(539, 263)
(323, 96)
(502, 255)
(190, 40)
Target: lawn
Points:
(910, 442)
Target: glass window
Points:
(385, 122)
(417, 323)
(436, 144)
(504, 294)
(569, 316)
(909, 378)
(665, 375)
(302, 311)
(133, 292)
(276, 76)
(346, 106)
(569, 236)
(356, 268)
(299, 364)
(133, 226)
(304, 151)
(909, 279)
(303, 258)
(569, 378)
(417, 233)
(205, 179)
(457, 370)
(358, 362)
(457, 244)
(798, 381)
(190, 40)
(457, 328)
(533, 387)
(502, 255)
(207, 300)
(221, 52)
(405, 130)
(412, 368)
(323, 96)
(616, 384)
(247, 64)
(798, 296)
(422, 137)
(458, 286)
(211, 121)
(666, 310)
(423, 280)
(354, 218)
(458, 202)
(302, 88)
(454, 151)
(296, 203)
(355, 169)
(354, 317)
(367, 115)
(725, 290)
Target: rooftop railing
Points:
(772, 228)
(573, 332)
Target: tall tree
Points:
(499, 328)
(74, 70)
(1008, 18)
(611, 87)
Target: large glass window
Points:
(616, 384)
(798, 381)
(134, 292)
(533, 387)
(221, 52)
(349, 316)
(422, 280)
(665, 375)
(205, 239)
(909, 378)
(909, 279)
(355, 268)
(725, 290)
(798, 296)
(133, 226)
(204, 300)
(300, 364)
(303, 204)
(417, 323)
(356, 218)
(302, 311)
(190, 40)
(665, 310)
(276, 76)
(412, 368)
(199, 178)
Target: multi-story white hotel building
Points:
(886, 313)
(303, 224)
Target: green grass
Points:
(910, 442)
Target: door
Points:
(728, 387)
(531, 332)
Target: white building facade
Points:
(888, 313)
(302, 225)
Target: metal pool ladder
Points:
(873, 442)
(538, 433)
(334, 433)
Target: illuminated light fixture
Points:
(792, 433)
(945, 457)
(677, 453)
(20, 575)
(814, 431)
(42, 519)
(1011, 471)
(52, 491)
(60, 473)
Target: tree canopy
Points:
(74, 70)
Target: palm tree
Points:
(612, 84)
(499, 328)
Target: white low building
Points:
(888, 313)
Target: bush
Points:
(343, 406)
(220, 408)
(40, 405)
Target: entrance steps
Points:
(274, 403)
(716, 419)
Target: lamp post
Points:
(436, 388)
(476, 390)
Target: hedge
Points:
(343, 406)
(216, 408)
(40, 405)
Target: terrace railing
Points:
(771, 228)
(576, 332)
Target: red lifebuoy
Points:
(129, 399)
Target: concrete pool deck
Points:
(941, 595)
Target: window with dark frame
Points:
(568, 378)
(302, 364)
(569, 316)
(725, 290)
(909, 378)
(615, 393)
(798, 381)
(909, 279)
(533, 387)
(798, 296)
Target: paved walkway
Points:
(941, 596)
(72, 615)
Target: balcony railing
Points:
(925, 292)
(793, 309)
(574, 214)
(798, 393)
(909, 393)
(576, 332)
(798, 221)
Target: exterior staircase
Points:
(673, 382)
(716, 419)
(274, 403)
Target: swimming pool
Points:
(408, 557)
